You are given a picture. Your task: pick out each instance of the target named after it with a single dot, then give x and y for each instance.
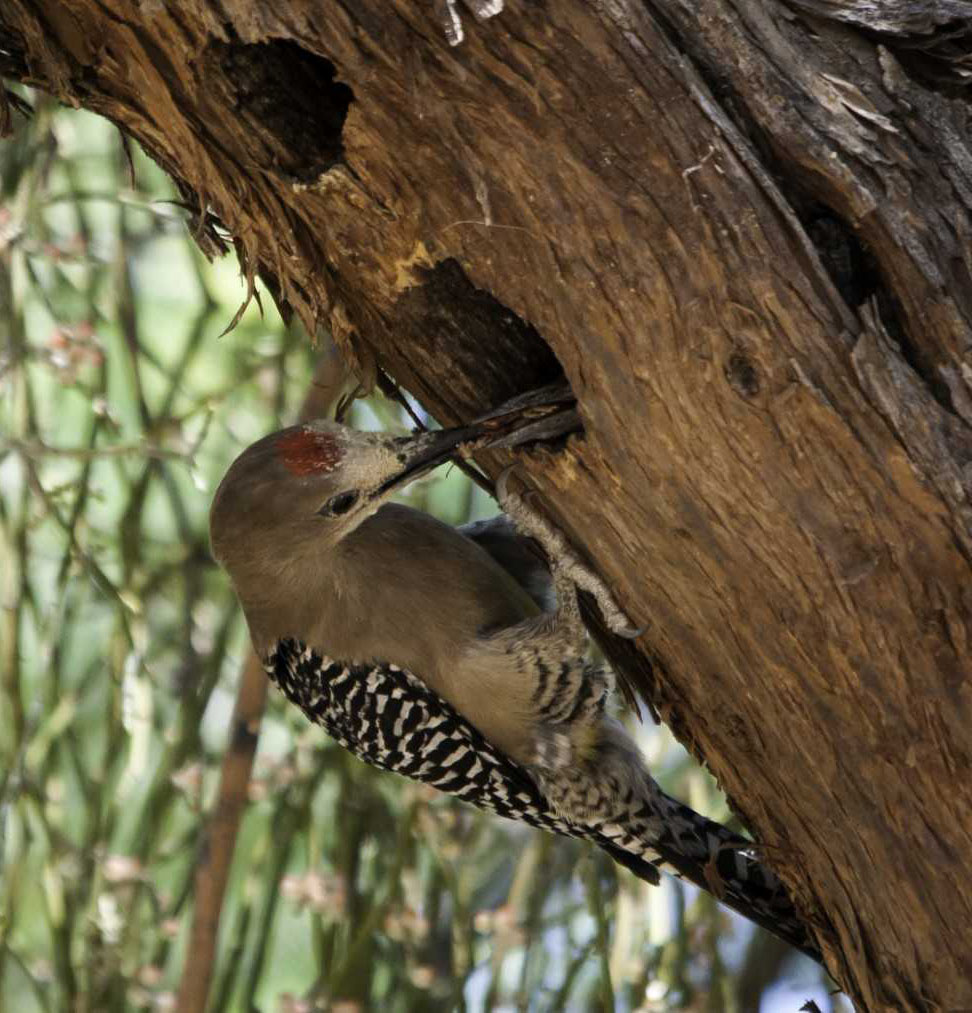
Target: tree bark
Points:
(741, 229)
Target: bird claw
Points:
(511, 501)
(484, 9)
(563, 559)
(503, 486)
(448, 15)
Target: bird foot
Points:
(448, 15)
(565, 563)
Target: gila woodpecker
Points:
(419, 652)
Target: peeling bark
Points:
(742, 231)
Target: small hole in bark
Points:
(851, 266)
(737, 730)
(856, 274)
(742, 375)
(293, 99)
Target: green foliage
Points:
(120, 651)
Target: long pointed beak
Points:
(425, 451)
(548, 413)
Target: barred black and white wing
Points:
(390, 719)
(387, 717)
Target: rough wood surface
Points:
(742, 231)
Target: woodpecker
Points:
(414, 646)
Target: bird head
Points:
(316, 482)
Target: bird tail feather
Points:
(722, 863)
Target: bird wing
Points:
(389, 718)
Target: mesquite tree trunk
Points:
(741, 229)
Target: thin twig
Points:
(602, 931)
(37, 448)
(216, 853)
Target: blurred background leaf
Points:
(121, 645)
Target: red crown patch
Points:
(305, 451)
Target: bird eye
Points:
(340, 504)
